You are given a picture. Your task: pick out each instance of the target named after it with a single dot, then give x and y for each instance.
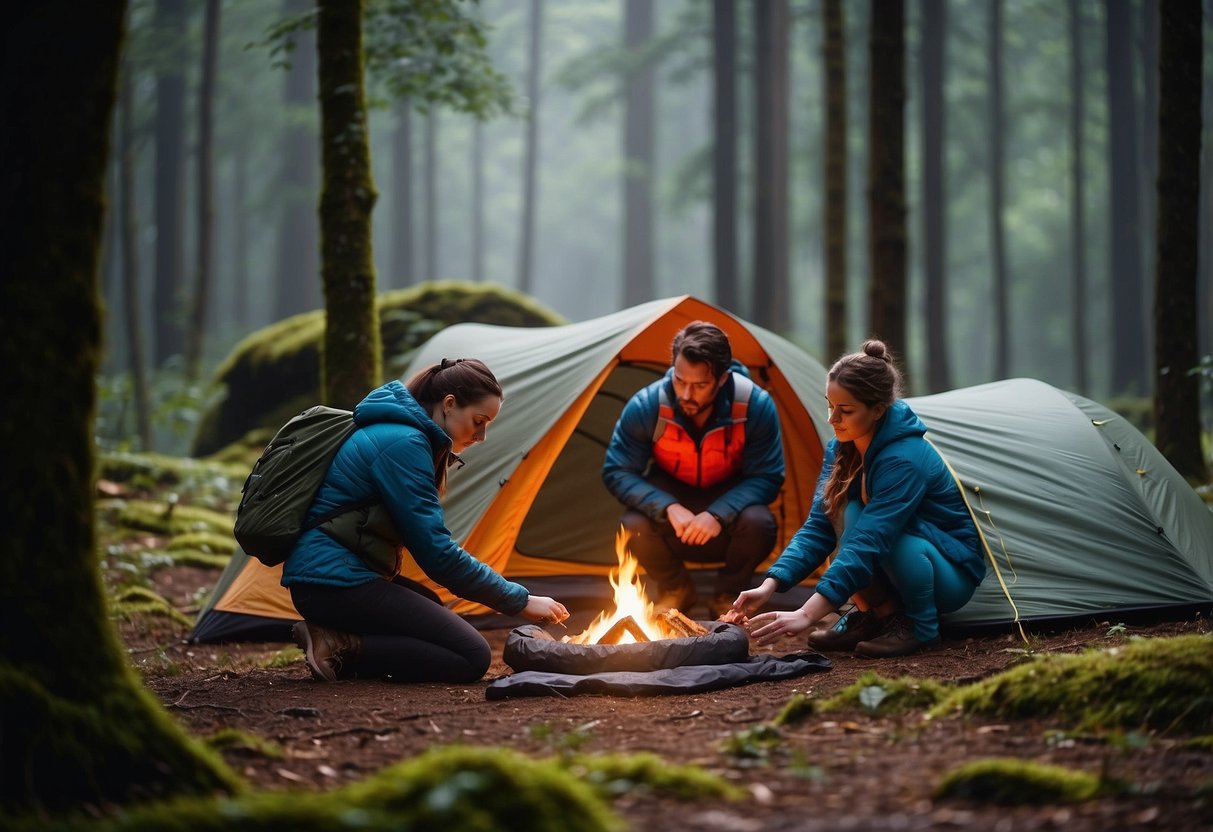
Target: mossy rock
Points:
(1155, 683)
(1011, 782)
(275, 372)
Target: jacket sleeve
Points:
(404, 474)
(762, 466)
(814, 541)
(895, 489)
(628, 457)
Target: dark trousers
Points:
(739, 547)
(406, 636)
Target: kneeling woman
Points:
(909, 550)
(360, 618)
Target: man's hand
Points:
(692, 529)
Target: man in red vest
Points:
(697, 458)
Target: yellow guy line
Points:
(984, 543)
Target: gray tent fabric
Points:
(675, 680)
(531, 648)
(1081, 514)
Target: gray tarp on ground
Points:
(675, 680)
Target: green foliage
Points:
(172, 518)
(798, 708)
(175, 406)
(611, 775)
(285, 657)
(483, 789)
(562, 741)
(208, 483)
(274, 373)
(1011, 782)
(1160, 683)
(465, 789)
(753, 745)
(134, 601)
(876, 694)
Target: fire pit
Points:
(633, 636)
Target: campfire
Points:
(633, 619)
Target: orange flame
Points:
(630, 599)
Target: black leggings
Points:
(406, 636)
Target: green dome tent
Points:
(1072, 527)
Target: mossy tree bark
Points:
(76, 727)
(351, 361)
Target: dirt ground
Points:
(844, 771)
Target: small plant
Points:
(799, 707)
(1117, 629)
(755, 745)
(876, 694)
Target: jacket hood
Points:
(897, 423)
(394, 403)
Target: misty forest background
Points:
(598, 153)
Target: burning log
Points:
(678, 625)
(627, 624)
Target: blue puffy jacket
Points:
(391, 458)
(910, 491)
(631, 449)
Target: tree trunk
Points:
(638, 143)
(1078, 225)
(526, 237)
(1128, 338)
(835, 177)
(351, 361)
(205, 195)
(129, 239)
(297, 287)
(1176, 391)
(170, 25)
(79, 730)
(240, 245)
(771, 304)
(935, 192)
(1206, 218)
(1000, 296)
(1147, 182)
(724, 155)
(886, 174)
(431, 195)
(478, 200)
(403, 273)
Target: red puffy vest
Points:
(718, 455)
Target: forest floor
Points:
(848, 770)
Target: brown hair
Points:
(872, 377)
(467, 379)
(703, 343)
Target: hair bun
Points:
(877, 349)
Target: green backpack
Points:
(282, 486)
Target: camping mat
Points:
(533, 648)
(687, 679)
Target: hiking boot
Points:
(853, 627)
(328, 652)
(680, 597)
(897, 640)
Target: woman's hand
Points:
(770, 626)
(544, 610)
(751, 600)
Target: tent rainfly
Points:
(1080, 514)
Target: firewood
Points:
(627, 624)
(680, 625)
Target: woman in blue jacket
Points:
(908, 550)
(360, 617)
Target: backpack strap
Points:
(337, 512)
